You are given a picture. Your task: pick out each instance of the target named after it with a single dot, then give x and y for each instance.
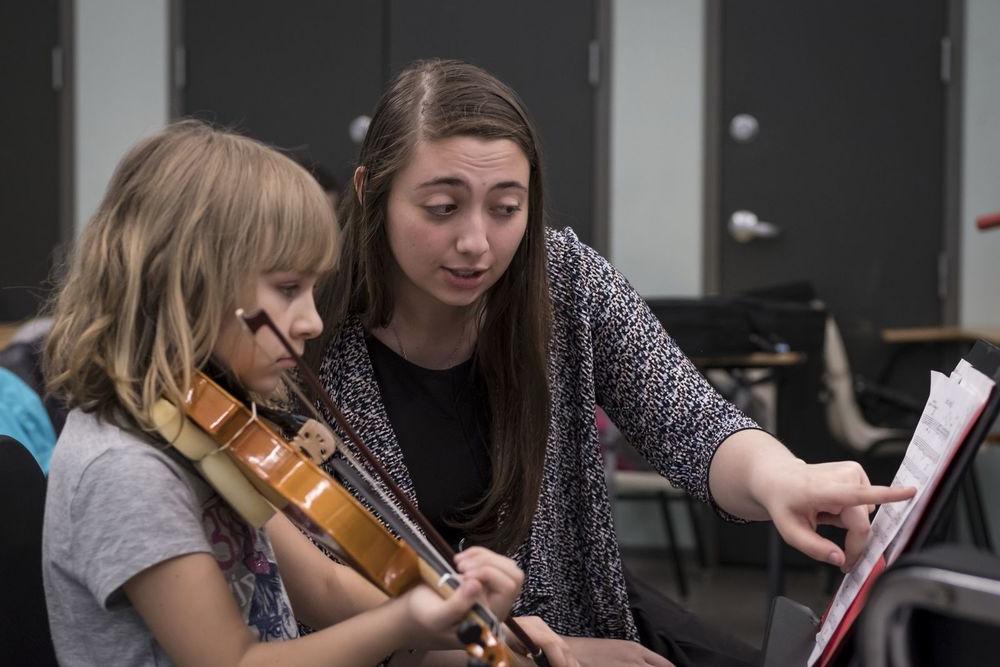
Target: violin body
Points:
(291, 481)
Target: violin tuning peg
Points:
(469, 632)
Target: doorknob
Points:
(744, 226)
(358, 128)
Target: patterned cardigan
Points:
(607, 349)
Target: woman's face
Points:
(456, 215)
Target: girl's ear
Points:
(359, 184)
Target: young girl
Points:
(478, 344)
(143, 562)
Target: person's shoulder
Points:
(559, 242)
(571, 262)
(87, 440)
(345, 350)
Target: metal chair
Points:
(961, 586)
(24, 632)
(650, 486)
(843, 415)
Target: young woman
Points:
(143, 562)
(473, 344)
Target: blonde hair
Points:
(190, 217)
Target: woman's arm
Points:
(754, 476)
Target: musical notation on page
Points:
(954, 404)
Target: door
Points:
(297, 74)
(292, 74)
(540, 49)
(29, 154)
(833, 133)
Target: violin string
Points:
(254, 322)
(443, 562)
(370, 480)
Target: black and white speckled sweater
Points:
(607, 349)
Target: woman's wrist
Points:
(746, 473)
(768, 477)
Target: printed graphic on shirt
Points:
(247, 562)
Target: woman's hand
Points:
(755, 477)
(799, 497)
(555, 648)
(592, 652)
(500, 577)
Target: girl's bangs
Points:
(300, 232)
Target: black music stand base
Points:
(790, 634)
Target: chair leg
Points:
(699, 544)
(974, 509)
(675, 550)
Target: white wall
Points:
(121, 87)
(657, 120)
(980, 261)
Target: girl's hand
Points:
(433, 615)
(799, 496)
(500, 577)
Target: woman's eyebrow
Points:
(455, 182)
(508, 185)
(452, 181)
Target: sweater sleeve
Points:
(662, 404)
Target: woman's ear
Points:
(359, 184)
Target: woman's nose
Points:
(472, 239)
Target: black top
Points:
(441, 421)
(607, 349)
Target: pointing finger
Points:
(845, 495)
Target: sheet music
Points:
(929, 465)
(953, 405)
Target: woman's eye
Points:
(507, 210)
(288, 290)
(441, 210)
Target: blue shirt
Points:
(23, 417)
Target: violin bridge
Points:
(315, 441)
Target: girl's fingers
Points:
(494, 581)
(456, 606)
(476, 557)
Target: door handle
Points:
(745, 226)
(358, 128)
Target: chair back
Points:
(24, 633)
(843, 415)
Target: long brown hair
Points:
(428, 101)
(190, 216)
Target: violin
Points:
(257, 470)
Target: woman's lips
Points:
(464, 278)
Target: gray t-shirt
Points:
(117, 505)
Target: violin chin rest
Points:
(215, 466)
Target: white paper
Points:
(926, 461)
(954, 403)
